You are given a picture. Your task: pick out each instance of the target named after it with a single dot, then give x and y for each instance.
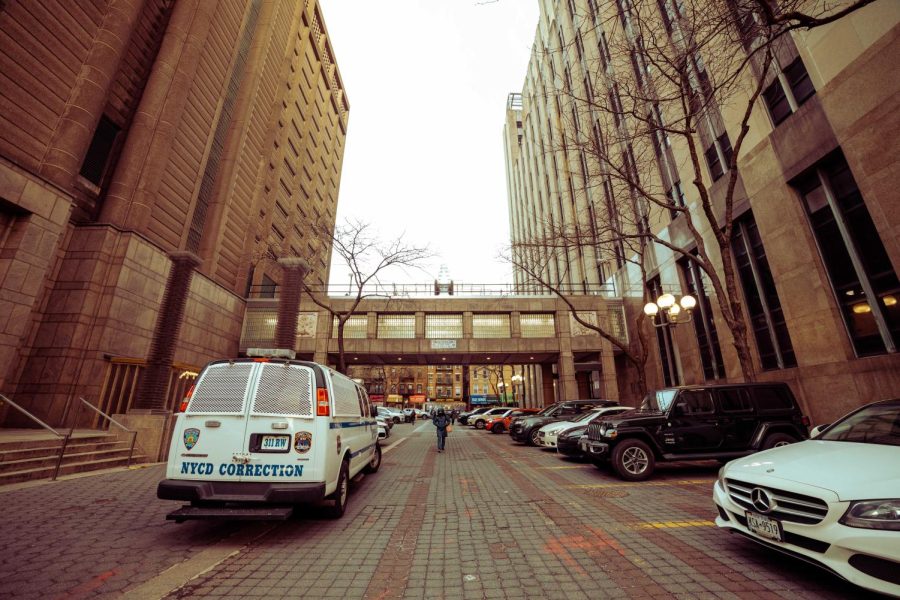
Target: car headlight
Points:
(721, 478)
(608, 431)
(873, 514)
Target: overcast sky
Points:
(427, 82)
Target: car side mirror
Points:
(678, 410)
(817, 430)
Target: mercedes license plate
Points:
(273, 443)
(766, 527)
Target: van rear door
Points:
(281, 441)
(211, 430)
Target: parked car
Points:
(464, 416)
(719, 422)
(479, 421)
(409, 415)
(391, 413)
(384, 431)
(568, 443)
(833, 500)
(548, 434)
(501, 424)
(525, 429)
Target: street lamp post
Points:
(672, 316)
(516, 381)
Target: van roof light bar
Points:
(271, 353)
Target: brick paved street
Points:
(485, 519)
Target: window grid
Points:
(443, 326)
(537, 325)
(354, 329)
(396, 327)
(490, 326)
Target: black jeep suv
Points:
(525, 429)
(696, 423)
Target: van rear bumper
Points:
(236, 491)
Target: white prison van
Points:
(257, 436)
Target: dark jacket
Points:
(441, 421)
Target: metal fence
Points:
(123, 377)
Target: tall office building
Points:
(155, 156)
(814, 247)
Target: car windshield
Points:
(660, 400)
(547, 411)
(879, 424)
(585, 416)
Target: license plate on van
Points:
(764, 526)
(274, 443)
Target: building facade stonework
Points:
(815, 243)
(134, 131)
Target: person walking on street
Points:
(454, 414)
(441, 422)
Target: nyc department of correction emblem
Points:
(302, 441)
(190, 437)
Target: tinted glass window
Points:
(696, 402)
(771, 398)
(735, 400)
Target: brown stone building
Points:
(154, 157)
(815, 246)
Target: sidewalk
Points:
(484, 519)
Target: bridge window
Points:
(537, 325)
(443, 326)
(259, 328)
(354, 328)
(396, 327)
(490, 326)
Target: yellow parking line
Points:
(569, 467)
(675, 524)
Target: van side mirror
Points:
(817, 430)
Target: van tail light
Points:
(322, 402)
(186, 399)
(804, 420)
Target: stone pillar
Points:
(567, 385)
(295, 270)
(515, 325)
(420, 325)
(548, 395)
(87, 99)
(132, 191)
(154, 386)
(608, 374)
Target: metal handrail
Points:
(72, 431)
(31, 416)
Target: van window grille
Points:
(284, 390)
(346, 403)
(222, 389)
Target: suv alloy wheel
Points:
(633, 460)
(479, 424)
(533, 437)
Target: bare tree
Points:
(367, 258)
(646, 138)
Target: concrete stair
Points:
(27, 460)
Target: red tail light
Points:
(260, 360)
(322, 402)
(186, 399)
(805, 421)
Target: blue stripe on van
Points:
(346, 424)
(360, 451)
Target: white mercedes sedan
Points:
(833, 500)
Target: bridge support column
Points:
(567, 385)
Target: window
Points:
(771, 399)
(267, 288)
(97, 158)
(704, 324)
(696, 402)
(537, 325)
(788, 91)
(443, 326)
(734, 400)
(397, 326)
(354, 328)
(861, 274)
(773, 342)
